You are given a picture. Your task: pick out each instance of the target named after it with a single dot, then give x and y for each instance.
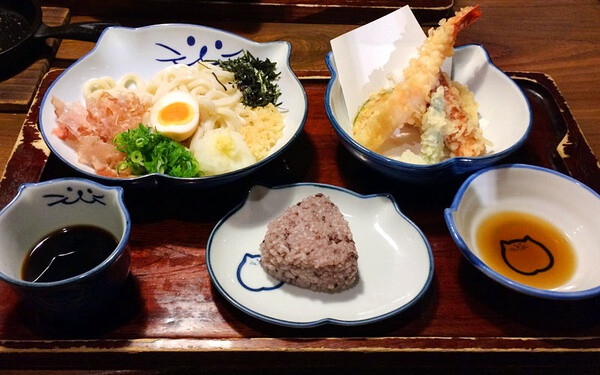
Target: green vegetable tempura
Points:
(151, 152)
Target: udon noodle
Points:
(218, 97)
(219, 101)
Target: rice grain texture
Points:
(310, 245)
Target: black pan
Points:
(22, 33)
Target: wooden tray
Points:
(169, 315)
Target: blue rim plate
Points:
(567, 203)
(494, 91)
(395, 260)
(145, 51)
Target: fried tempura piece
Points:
(406, 103)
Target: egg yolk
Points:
(177, 113)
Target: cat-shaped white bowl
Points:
(567, 204)
(501, 103)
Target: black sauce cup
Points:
(42, 208)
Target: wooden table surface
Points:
(558, 38)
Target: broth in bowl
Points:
(531, 229)
(526, 249)
(67, 252)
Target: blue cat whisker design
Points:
(69, 198)
(191, 41)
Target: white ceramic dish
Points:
(502, 106)
(147, 50)
(566, 203)
(395, 260)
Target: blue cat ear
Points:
(250, 256)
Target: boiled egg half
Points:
(175, 115)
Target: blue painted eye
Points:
(191, 40)
(218, 44)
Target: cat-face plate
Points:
(567, 204)
(395, 262)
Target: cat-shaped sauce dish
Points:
(64, 247)
(531, 229)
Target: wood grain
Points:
(10, 125)
(558, 38)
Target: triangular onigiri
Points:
(310, 245)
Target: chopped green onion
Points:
(147, 151)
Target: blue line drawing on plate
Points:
(252, 277)
(178, 57)
(73, 196)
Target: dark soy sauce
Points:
(67, 252)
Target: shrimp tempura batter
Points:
(406, 103)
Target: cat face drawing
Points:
(526, 256)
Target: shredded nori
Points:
(255, 78)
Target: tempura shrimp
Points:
(463, 137)
(406, 103)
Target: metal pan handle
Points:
(79, 31)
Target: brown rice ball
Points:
(310, 245)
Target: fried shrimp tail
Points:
(406, 102)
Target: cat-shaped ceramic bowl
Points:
(502, 106)
(49, 207)
(515, 252)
